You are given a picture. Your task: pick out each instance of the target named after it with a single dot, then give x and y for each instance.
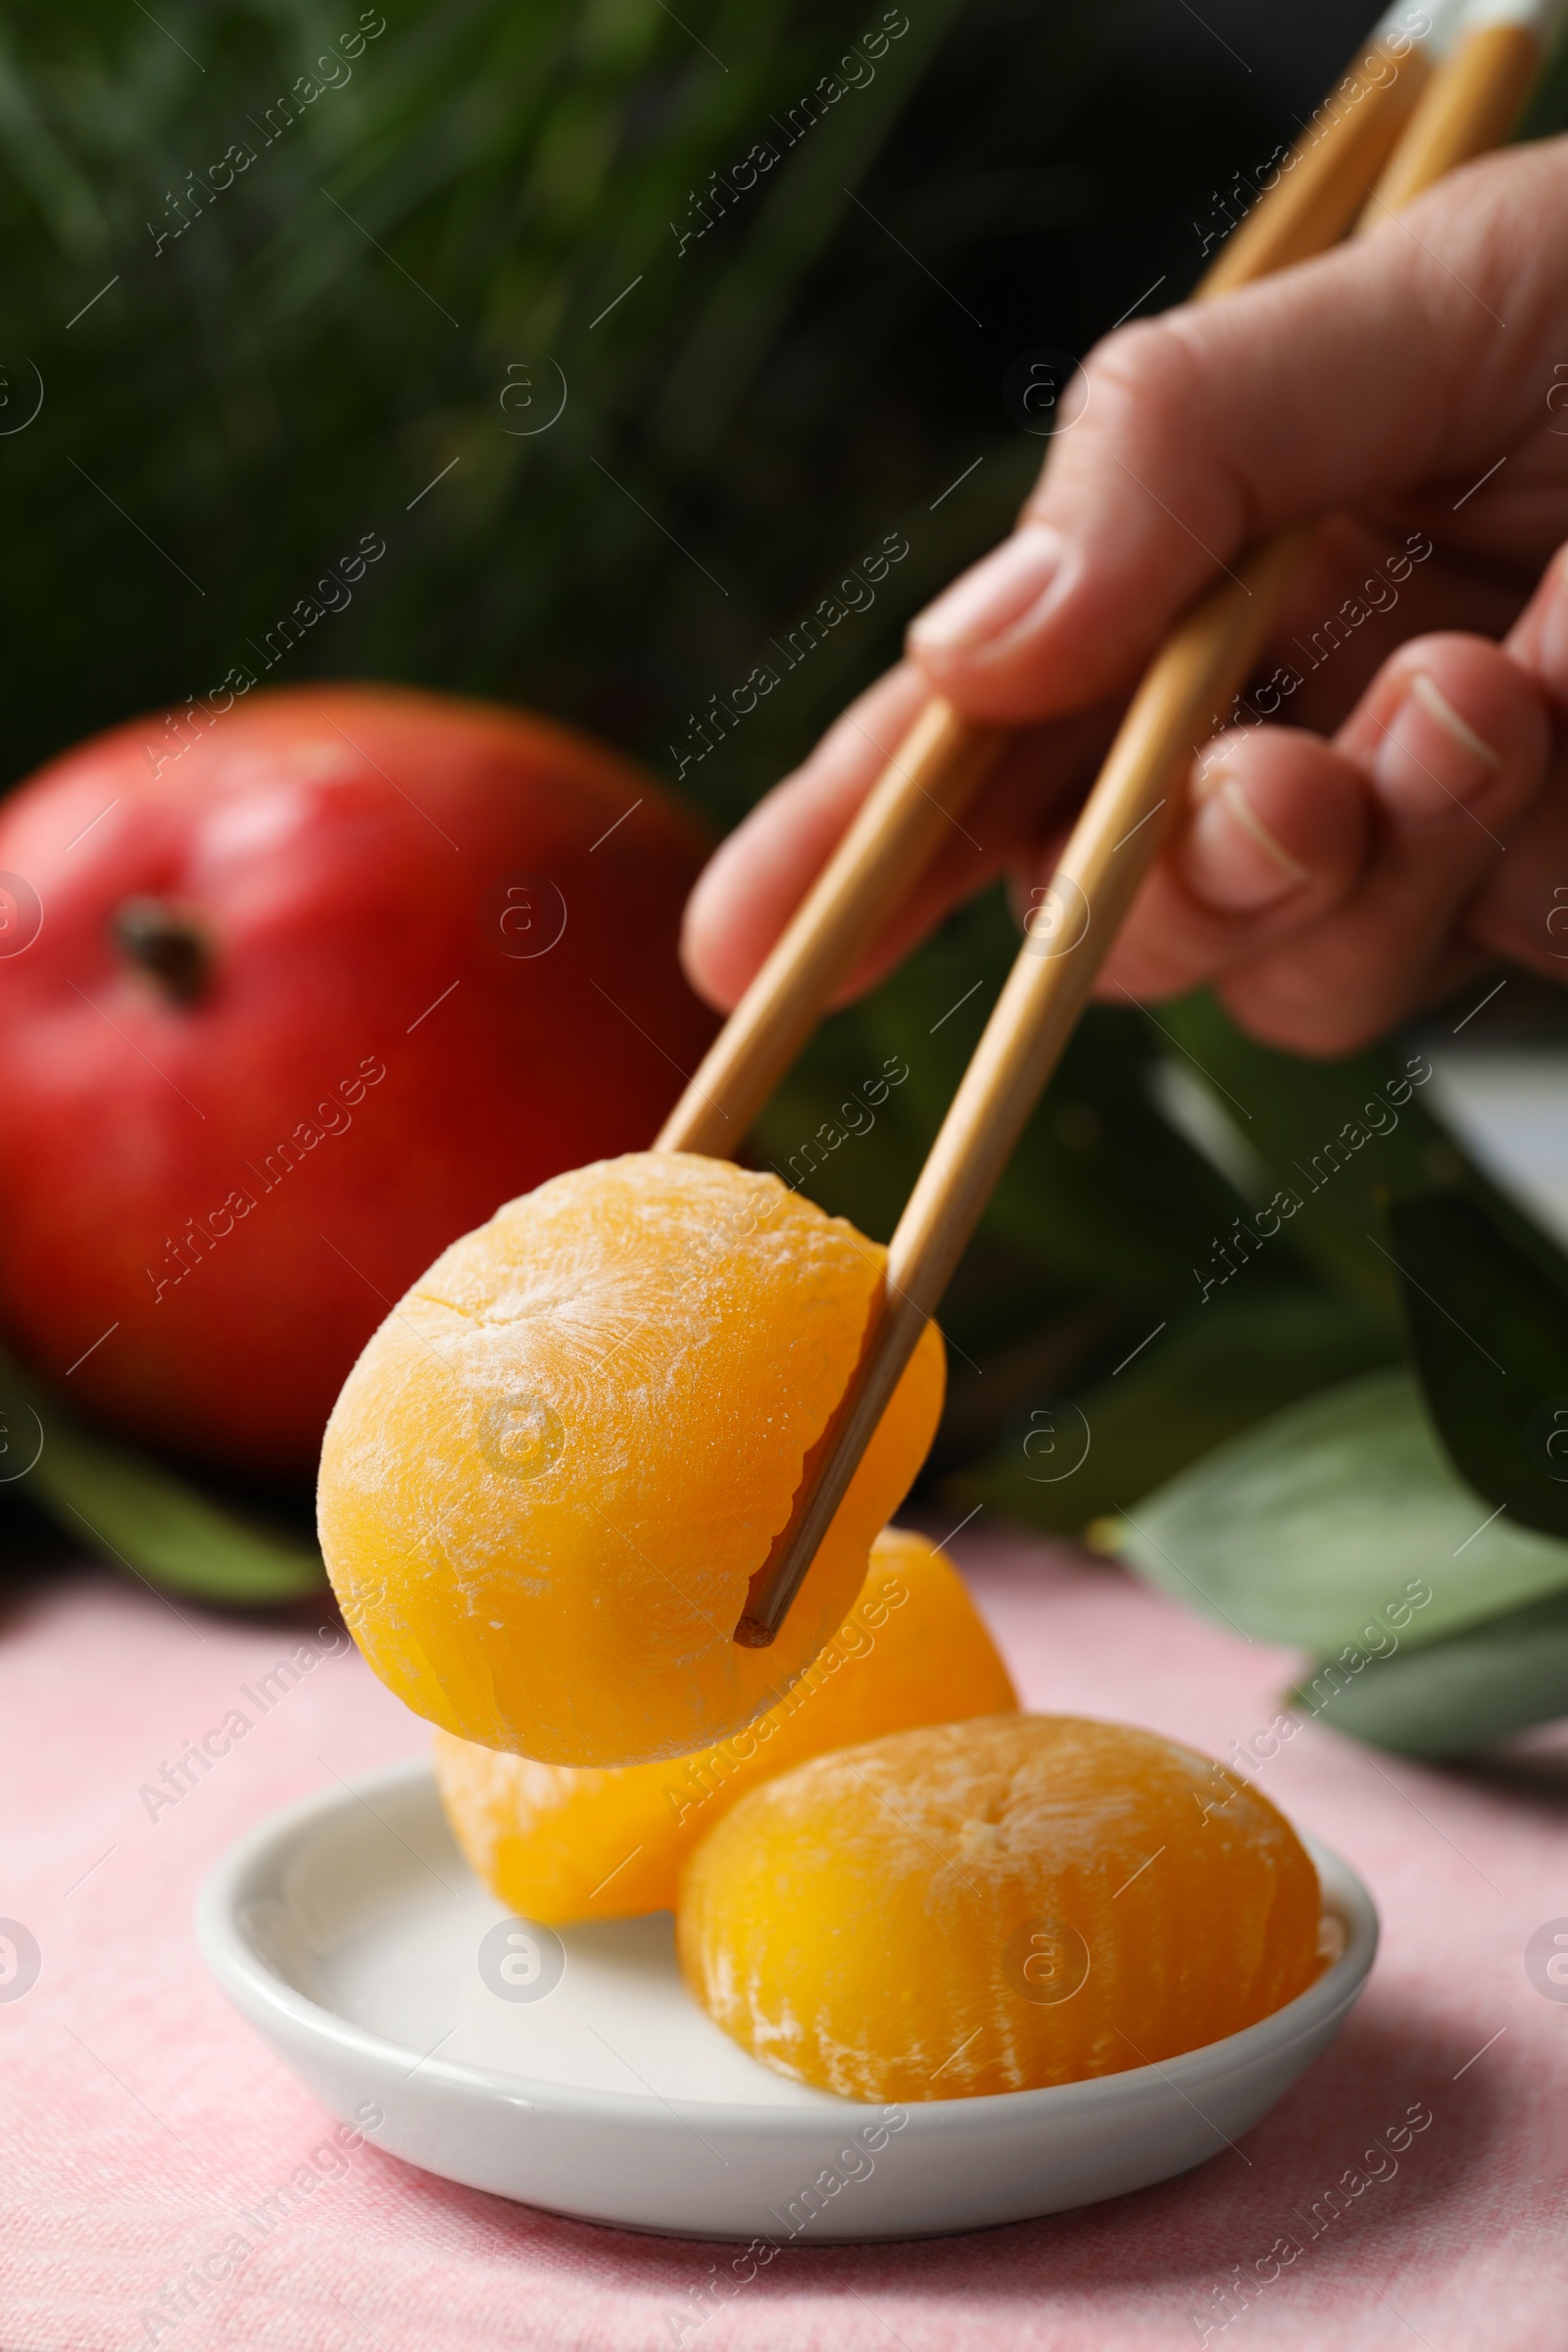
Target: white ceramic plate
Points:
(349, 1931)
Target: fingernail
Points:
(1229, 858)
(1430, 758)
(993, 597)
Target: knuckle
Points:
(1149, 441)
(1153, 370)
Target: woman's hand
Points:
(1408, 824)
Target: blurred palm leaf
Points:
(336, 327)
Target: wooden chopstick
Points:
(1330, 172)
(1114, 842)
(932, 778)
(1467, 110)
(923, 789)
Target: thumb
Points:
(1352, 376)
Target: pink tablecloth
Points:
(141, 2116)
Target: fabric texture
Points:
(142, 2118)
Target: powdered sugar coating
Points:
(995, 1905)
(554, 1468)
(556, 1843)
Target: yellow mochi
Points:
(556, 1465)
(558, 1844)
(995, 1905)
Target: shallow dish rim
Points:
(259, 1990)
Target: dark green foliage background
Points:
(271, 384)
(753, 415)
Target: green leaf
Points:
(1091, 1232)
(1314, 1527)
(1219, 1372)
(1339, 1133)
(1487, 1320)
(128, 1507)
(1101, 1190)
(1451, 1698)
